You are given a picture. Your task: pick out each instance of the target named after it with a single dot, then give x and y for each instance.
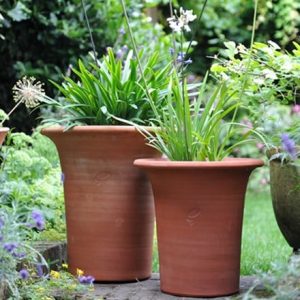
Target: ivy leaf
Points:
(19, 13)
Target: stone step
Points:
(150, 290)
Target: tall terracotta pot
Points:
(285, 191)
(109, 204)
(3, 133)
(199, 213)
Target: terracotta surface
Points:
(285, 190)
(199, 213)
(3, 133)
(109, 204)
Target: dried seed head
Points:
(29, 91)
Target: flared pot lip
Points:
(94, 128)
(4, 129)
(226, 163)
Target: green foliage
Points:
(111, 90)
(30, 177)
(273, 74)
(197, 131)
(232, 20)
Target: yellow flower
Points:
(54, 274)
(65, 266)
(79, 272)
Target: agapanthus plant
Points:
(193, 128)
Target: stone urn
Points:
(285, 191)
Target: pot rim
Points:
(4, 129)
(94, 128)
(161, 163)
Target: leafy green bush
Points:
(30, 178)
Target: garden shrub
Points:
(30, 178)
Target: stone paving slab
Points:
(150, 290)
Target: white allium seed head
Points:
(28, 90)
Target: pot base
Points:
(197, 295)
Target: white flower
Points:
(181, 23)
(270, 74)
(29, 91)
(187, 15)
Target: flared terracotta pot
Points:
(3, 133)
(199, 213)
(109, 203)
(285, 191)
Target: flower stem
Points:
(90, 31)
(8, 115)
(194, 31)
(183, 98)
(138, 58)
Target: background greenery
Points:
(43, 38)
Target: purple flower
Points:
(38, 218)
(62, 177)
(86, 279)
(172, 51)
(18, 255)
(180, 57)
(289, 145)
(188, 62)
(10, 247)
(119, 54)
(39, 270)
(122, 31)
(24, 274)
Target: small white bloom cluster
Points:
(29, 91)
(181, 23)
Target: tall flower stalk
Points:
(179, 24)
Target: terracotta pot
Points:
(3, 133)
(109, 204)
(199, 213)
(285, 190)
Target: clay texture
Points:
(199, 214)
(109, 204)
